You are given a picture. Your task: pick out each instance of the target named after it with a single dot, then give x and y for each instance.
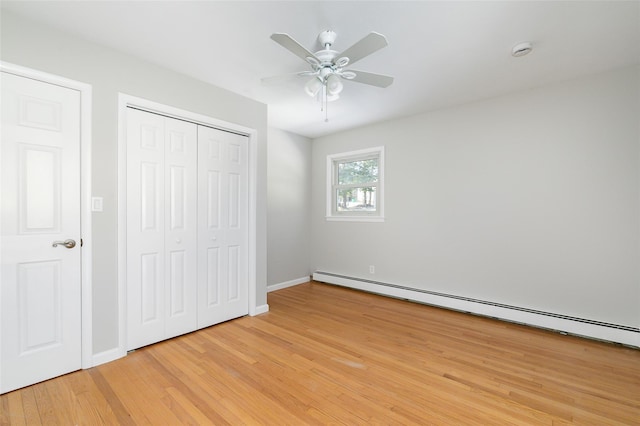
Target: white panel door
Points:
(181, 226)
(145, 228)
(222, 226)
(41, 284)
(161, 227)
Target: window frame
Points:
(332, 213)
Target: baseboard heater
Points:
(617, 333)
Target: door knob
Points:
(67, 243)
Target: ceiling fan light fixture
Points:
(313, 86)
(334, 85)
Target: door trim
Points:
(85, 91)
(125, 101)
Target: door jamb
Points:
(86, 256)
(125, 101)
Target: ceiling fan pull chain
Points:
(326, 106)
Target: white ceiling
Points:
(441, 53)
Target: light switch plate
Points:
(96, 204)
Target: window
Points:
(355, 185)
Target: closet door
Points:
(161, 227)
(222, 226)
(180, 238)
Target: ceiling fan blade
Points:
(378, 80)
(277, 79)
(369, 44)
(286, 41)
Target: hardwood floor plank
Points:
(112, 400)
(204, 402)
(30, 406)
(127, 379)
(184, 408)
(15, 409)
(46, 409)
(329, 355)
(4, 412)
(89, 404)
(64, 401)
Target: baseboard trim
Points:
(286, 284)
(107, 356)
(571, 325)
(260, 309)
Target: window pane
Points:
(360, 171)
(356, 199)
(355, 186)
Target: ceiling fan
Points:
(327, 65)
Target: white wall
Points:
(29, 44)
(289, 207)
(530, 199)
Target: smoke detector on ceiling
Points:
(521, 49)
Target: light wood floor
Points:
(329, 355)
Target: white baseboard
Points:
(107, 356)
(260, 310)
(286, 284)
(571, 325)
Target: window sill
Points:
(354, 218)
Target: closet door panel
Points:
(211, 290)
(237, 225)
(223, 226)
(161, 227)
(145, 228)
(181, 226)
(211, 273)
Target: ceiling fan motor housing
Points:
(327, 37)
(328, 65)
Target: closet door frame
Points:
(126, 101)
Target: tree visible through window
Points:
(355, 185)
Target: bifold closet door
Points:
(223, 224)
(161, 227)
